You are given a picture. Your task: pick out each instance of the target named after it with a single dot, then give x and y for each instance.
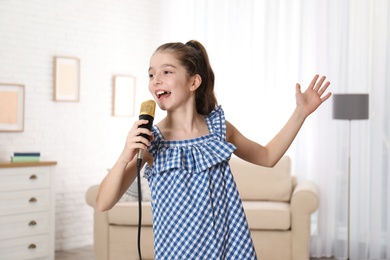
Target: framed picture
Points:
(124, 96)
(11, 107)
(66, 79)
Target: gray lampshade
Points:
(350, 106)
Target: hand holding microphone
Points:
(133, 141)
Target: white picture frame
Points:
(123, 96)
(66, 79)
(12, 107)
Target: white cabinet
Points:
(27, 198)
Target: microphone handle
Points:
(148, 125)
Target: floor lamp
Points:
(350, 107)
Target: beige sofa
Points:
(277, 208)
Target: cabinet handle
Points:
(33, 177)
(32, 223)
(33, 200)
(32, 246)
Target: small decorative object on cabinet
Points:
(27, 199)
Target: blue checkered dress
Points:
(197, 211)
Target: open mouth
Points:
(162, 93)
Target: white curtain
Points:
(259, 49)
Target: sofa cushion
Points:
(261, 183)
(126, 213)
(274, 245)
(266, 215)
(123, 243)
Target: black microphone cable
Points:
(139, 162)
(146, 112)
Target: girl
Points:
(197, 212)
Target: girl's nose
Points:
(156, 80)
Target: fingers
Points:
(136, 141)
(297, 88)
(313, 81)
(323, 88)
(136, 138)
(317, 86)
(138, 123)
(326, 97)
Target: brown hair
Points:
(193, 57)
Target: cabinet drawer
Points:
(24, 178)
(25, 248)
(17, 202)
(31, 224)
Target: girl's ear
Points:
(196, 81)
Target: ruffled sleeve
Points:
(216, 123)
(153, 149)
(154, 145)
(194, 155)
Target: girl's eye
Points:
(167, 72)
(151, 76)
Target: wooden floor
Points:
(86, 253)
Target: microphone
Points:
(147, 112)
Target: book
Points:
(25, 158)
(27, 154)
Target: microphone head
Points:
(148, 108)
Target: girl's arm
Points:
(124, 171)
(269, 155)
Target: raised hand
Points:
(313, 96)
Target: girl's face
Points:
(169, 82)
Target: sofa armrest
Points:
(304, 202)
(100, 225)
(305, 197)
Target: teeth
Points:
(161, 92)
